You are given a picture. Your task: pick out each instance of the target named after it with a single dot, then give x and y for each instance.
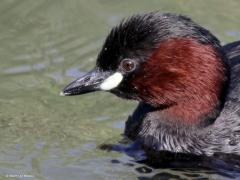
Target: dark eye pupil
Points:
(127, 65)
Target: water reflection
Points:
(44, 44)
(167, 165)
(24, 68)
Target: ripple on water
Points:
(25, 68)
(59, 40)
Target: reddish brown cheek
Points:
(156, 89)
(182, 70)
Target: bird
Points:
(186, 83)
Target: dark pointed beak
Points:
(89, 82)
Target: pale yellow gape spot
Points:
(112, 81)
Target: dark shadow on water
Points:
(166, 165)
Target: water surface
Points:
(45, 44)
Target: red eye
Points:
(128, 65)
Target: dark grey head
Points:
(150, 57)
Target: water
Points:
(45, 44)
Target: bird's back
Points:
(228, 123)
(232, 51)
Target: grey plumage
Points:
(221, 136)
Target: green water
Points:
(45, 44)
